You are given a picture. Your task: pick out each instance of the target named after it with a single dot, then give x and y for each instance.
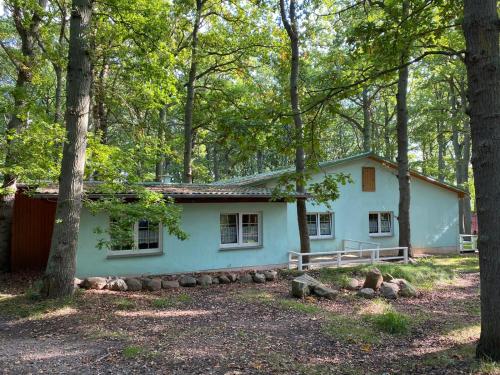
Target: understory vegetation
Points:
(442, 324)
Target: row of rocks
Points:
(386, 285)
(374, 284)
(306, 285)
(156, 283)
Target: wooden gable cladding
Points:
(32, 227)
(368, 179)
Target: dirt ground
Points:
(236, 329)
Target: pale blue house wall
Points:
(200, 252)
(433, 211)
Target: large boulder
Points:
(271, 275)
(187, 281)
(389, 290)
(169, 284)
(407, 289)
(94, 283)
(373, 279)
(118, 285)
(246, 278)
(151, 285)
(133, 284)
(366, 293)
(223, 279)
(204, 280)
(303, 285)
(215, 280)
(232, 277)
(325, 292)
(352, 284)
(259, 278)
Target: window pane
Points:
(312, 224)
(325, 224)
(373, 220)
(148, 236)
(385, 222)
(250, 227)
(228, 228)
(121, 235)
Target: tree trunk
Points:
(441, 151)
(387, 132)
(160, 162)
(58, 94)
(101, 113)
(28, 34)
(216, 164)
(482, 59)
(367, 123)
(190, 91)
(61, 266)
(292, 31)
(402, 158)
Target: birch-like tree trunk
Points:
(402, 158)
(61, 266)
(291, 27)
(481, 29)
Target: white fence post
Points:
(339, 259)
(290, 258)
(299, 262)
(406, 255)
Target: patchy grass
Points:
(351, 330)
(425, 274)
(104, 334)
(124, 304)
(487, 368)
(163, 303)
(131, 352)
(392, 322)
(28, 306)
(255, 295)
(305, 308)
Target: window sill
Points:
(381, 234)
(133, 253)
(236, 247)
(315, 238)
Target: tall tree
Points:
(292, 28)
(27, 23)
(481, 27)
(61, 266)
(190, 89)
(402, 136)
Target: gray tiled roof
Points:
(170, 190)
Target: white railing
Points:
(359, 245)
(339, 258)
(467, 242)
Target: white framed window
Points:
(380, 224)
(240, 229)
(144, 238)
(320, 224)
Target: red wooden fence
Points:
(32, 227)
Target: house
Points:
(237, 224)
(229, 227)
(367, 209)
